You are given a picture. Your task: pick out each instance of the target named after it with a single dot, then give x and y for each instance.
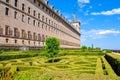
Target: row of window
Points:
(34, 21)
(46, 10)
(29, 36)
(39, 24)
(64, 42)
(24, 35)
(23, 18)
(34, 13)
(23, 42)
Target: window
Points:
(29, 35)
(43, 7)
(34, 36)
(49, 22)
(15, 4)
(1, 31)
(34, 22)
(29, 42)
(23, 7)
(6, 30)
(15, 32)
(6, 40)
(15, 41)
(23, 18)
(15, 15)
(34, 1)
(46, 28)
(46, 20)
(42, 18)
(38, 24)
(23, 33)
(46, 10)
(29, 10)
(7, 1)
(49, 28)
(38, 4)
(42, 26)
(39, 37)
(38, 15)
(52, 23)
(28, 20)
(22, 41)
(34, 42)
(34, 12)
(7, 11)
(43, 38)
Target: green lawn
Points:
(70, 65)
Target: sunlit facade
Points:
(28, 22)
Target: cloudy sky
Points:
(100, 20)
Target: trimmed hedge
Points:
(114, 61)
(99, 70)
(81, 53)
(16, 56)
(108, 68)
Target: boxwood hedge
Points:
(16, 56)
(114, 61)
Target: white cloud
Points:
(111, 12)
(86, 22)
(98, 34)
(103, 32)
(82, 3)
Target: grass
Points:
(70, 66)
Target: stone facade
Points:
(29, 22)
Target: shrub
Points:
(114, 61)
(108, 51)
(108, 68)
(52, 47)
(84, 48)
(1, 51)
(99, 70)
(16, 56)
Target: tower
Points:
(75, 23)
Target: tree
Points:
(52, 47)
(92, 47)
(84, 48)
(89, 49)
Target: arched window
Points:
(1, 31)
(39, 37)
(43, 38)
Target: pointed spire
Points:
(75, 14)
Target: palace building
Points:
(28, 22)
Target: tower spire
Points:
(75, 14)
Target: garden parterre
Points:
(67, 67)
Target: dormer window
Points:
(34, 1)
(7, 1)
(15, 3)
(23, 7)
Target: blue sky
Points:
(100, 20)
